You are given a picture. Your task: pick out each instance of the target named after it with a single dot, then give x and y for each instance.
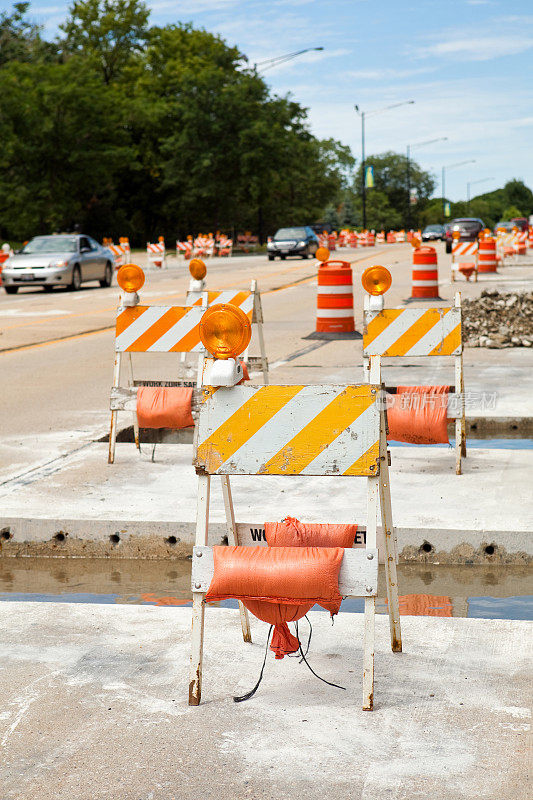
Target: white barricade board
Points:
(289, 430)
(159, 329)
(412, 332)
(358, 575)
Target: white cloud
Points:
(387, 74)
(478, 47)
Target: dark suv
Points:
(468, 227)
(299, 241)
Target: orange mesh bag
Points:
(164, 407)
(290, 532)
(278, 585)
(418, 415)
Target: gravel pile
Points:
(498, 320)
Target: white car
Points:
(59, 260)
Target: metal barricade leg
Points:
(233, 538)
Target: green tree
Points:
(512, 211)
(390, 180)
(20, 39)
(520, 196)
(64, 143)
(109, 32)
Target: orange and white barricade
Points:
(119, 258)
(151, 329)
(323, 239)
(530, 240)
(124, 243)
(380, 237)
(156, 254)
(249, 301)
(391, 237)
(464, 259)
(327, 431)
(521, 243)
(184, 249)
(506, 245)
(353, 240)
(224, 246)
(400, 237)
(172, 330)
(408, 332)
(5, 253)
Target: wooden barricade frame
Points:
(392, 333)
(153, 329)
(249, 300)
(297, 430)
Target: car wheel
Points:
(47, 288)
(11, 289)
(75, 285)
(283, 257)
(448, 247)
(108, 277)
(271, 258)
(305, 254)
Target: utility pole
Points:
(364, 114)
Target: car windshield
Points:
(50, 244)
(290, 233)
(433, 228)
(467, 224)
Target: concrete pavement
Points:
(94, 706)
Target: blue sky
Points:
(467, 64)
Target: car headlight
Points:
(301, 244)
(58, 264)
(270, 245)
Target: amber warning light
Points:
(130, 278)
(198, 269)
(376, 280)
(225, 331)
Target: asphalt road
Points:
(56, 350)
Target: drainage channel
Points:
(489, 592)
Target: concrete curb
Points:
(164, 539)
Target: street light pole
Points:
(443, 185)
(364, 114)
(409, 146)
(472, 183)
(274, 62)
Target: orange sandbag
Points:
(164, 407)
(418, 415)
(278, 585)
(290, 532)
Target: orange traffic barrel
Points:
(487, 260)
(331, 242)
(425, 280)
(370, 239)
(334, 313)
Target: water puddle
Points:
(482, 591)
(510, 443)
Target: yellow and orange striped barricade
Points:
(154, 330)
(249, 301)
(409, 332)
(464, 260)
(330, 430)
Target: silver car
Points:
(60, 260)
